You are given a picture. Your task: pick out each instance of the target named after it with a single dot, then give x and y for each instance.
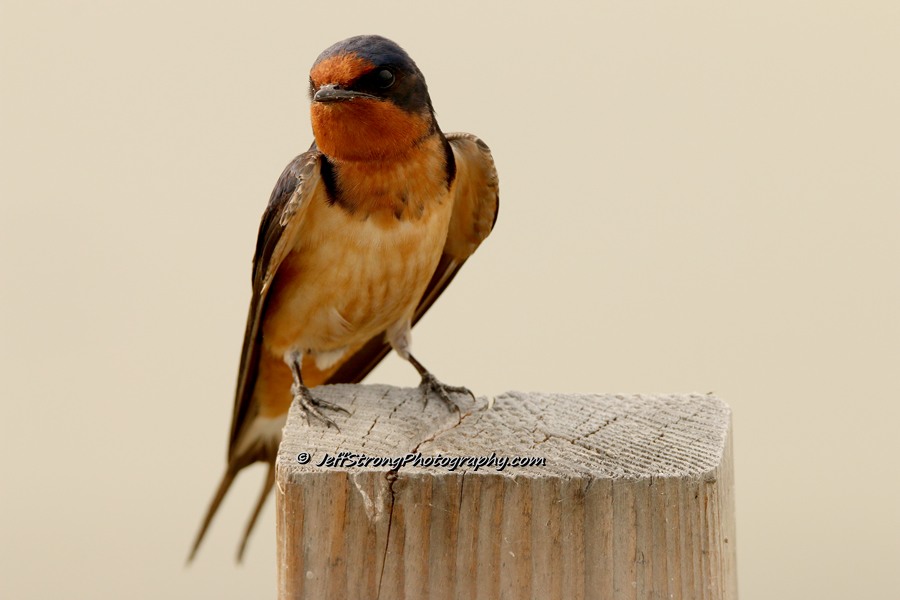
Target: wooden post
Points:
(634, 499)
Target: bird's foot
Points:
(430, 383)
(311, 405)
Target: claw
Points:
(311, 405)
(431, 383)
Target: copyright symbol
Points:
(303, 458)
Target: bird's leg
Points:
(303, 396)
(400, 337)
(431, 383)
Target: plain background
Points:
(694, 197)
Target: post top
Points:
(592, 435)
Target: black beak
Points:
(330, 93)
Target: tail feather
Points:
(226, 482)
(263, 451)
(268, 484)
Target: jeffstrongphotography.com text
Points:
(451, 463)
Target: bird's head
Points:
(369, 100)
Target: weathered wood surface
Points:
(635, 499)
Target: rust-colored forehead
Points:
(340, 69)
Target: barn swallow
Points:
(362, 233)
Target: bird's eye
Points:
(385, 78)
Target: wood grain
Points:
(635, 499)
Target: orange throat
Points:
(365, 129)
(398, 188)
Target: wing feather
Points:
(277, 234)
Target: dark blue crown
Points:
(373, 48)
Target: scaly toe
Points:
(430, 383)
(311, 406)
(459, 389)
(330, 406)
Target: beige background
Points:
(695, 197)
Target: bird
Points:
(360, 236)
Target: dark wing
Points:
(277, 233)
(475, 211)
(273, 243)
